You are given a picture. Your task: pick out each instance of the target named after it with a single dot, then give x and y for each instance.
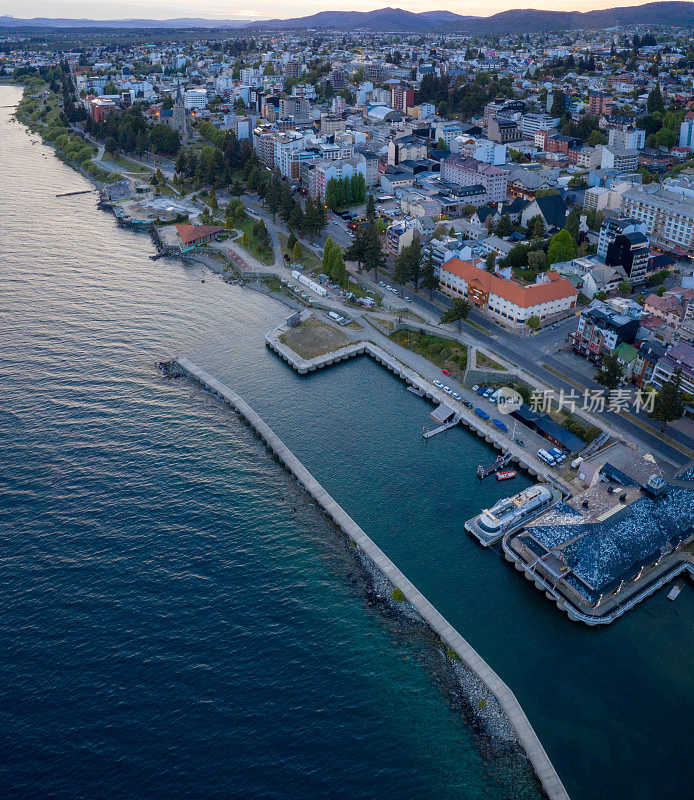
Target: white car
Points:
(457, 397)
(448, 390)
(408, 299)
(475, 387)
(389, 288)
(380, 283)
(438, 384)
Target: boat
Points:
(506, 476)
(511, 513)
(481, 413)
(499, 424)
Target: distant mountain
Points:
(396, 19)
(514, 21)
(136, 24)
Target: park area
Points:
(314, 338)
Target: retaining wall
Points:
(527, 737)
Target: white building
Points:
(687, 133)
(668, 214)
(195, 98)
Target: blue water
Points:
(178, 621)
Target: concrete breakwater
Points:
(527, 737)
(494, 436)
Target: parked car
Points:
(438, 384)
(457, 397)
(448, 390)
(446, 371)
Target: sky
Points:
(269, 9)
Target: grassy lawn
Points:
(308, 259)
(484, 362)
(444, 353)
(252, 246)
(313, 338)
(126, 163)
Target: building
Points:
(100, 108)
(619, 159)
(614, 226)
(631, 252)
(292, 69)
(469, 172)
(679, 358)
(294, 107)
(600, 103)
(331, 124)
(624, 137)
(401, 97)
(601, 329)
(193, 235)
(447, 132)
(669, 309)
(503, 130)
(667, 214)
(687, 133)
(406, 148)
(550, 296)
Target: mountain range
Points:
(680, 14)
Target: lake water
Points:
(177, 620)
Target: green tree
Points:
(538, 230)
(534, 322)
(505, 226)
(374, 257)
(609, 373)
(561, 247)
(537, 260)
(490, 261)
(357, 249)
(291, 241)
(402, 272)
(669, 401)
(328, 260)
(573, 222)
(370, 208)
(429, 279)
(458, 312)
(296, 252)
(655, 102)
(624, 288)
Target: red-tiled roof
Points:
(556, 288)
(193, 233)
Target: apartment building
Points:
(614, 226)
(601, 329)
(667, 214)
(551, 295)
(678, 359)
(401, 97)
(470, 172)
(625, 137)
(619, 159)
(600, 103)
(503, 130)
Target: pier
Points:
(527, 737)
(73, 194)
(500, 463)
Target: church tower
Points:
(179, 122)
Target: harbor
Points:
(527, 737)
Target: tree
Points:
(534, 322)
(111, 145)
(429, 279)
(655, 102)
(370, 208)
(505, 226)
(291, 242)
(490, 261)
(402, 272)
(624, 288)
(538, 231)
(357, 250)
(296, 251)
(572, 224)
(458, 312)
(327, 262)
(561, 247)
(537, 260)
(374, 257)
(609, 373)
(669, 402)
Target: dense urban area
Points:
(509, 210)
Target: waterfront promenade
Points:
(527, 737)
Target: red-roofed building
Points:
(551, 295)
(193, 235)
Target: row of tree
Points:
(345, 191)
(129, 132)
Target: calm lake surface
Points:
(178, 621)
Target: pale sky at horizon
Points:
(268, 9)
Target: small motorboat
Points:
(499, 424)
(482, 414)
(507, 475)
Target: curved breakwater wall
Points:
(547, 775)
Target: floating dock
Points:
(501, 462)
(544, 769)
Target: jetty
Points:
(73, 194)
(544, 769)
(501, 462)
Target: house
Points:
(669, 309)
(627, 355)
(602, 279)
(193, 235)
(678, 359)
(648, 355)
(601, 329)
(552, 209)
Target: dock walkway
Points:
(527, 737)
(442, 428)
